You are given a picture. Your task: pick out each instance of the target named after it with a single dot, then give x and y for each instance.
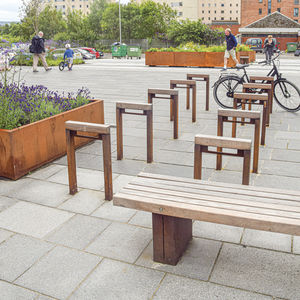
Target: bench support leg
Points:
(149, 136)
(207, 94)
(246, 167)
(171, 236)
(256, 145)
(187, 98)
(194, 108)
(70, 135)
(175, 116)
(108, 184)
(119, 124)
(219, 149)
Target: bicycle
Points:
(64, 64)
(286, 93)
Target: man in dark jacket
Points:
(231, 44)
(39, 51)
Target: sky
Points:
(9, 10)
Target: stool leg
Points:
(119, 122)
(171, 110)
(272, 96)
(268, 107)
(187, 98)
(233, 126)
(197, 161)
(149, 136)
(219, 149)
(256, 145)
(246, 167)
(194, 108)
(70, 135)
(175, 116)
(108, 185)
(207, 94)
(263, 127)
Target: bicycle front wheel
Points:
(61, 66)
(287, 95)
(224, 90)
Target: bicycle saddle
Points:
(242, 66)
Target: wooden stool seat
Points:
(187, 84)
(233, 116)
(103, 133)
(254, 99)
(146, 111)
(172, 96)
(201, 77)
(243, 147)
(244, 59)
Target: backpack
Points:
(31, 48)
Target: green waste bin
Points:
(134, 51)
(118, 50)
(291, 47)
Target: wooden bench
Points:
(172, 96)
(242, 147)
(260, 88)
(254, 99)
(264, 79)
(174, 202)
(238, 116)
(188, 85)
(146, 111)
(102, 133)
(202, 78)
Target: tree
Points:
(95, 17)
(110, 21)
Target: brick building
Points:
(282, 28)
(253, 10)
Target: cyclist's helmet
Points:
(68, 46)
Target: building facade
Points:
(68, 5)
(253, 10)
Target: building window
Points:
(203, 11)
(231, 11)
(209, 11)
(202, 5)
(259, 11)
(278, 0)
(296, 12)
(278, 9)
(208, 18)
(222, 18)
(269, 6)
(208, 4)
(215, 11)
(73, 6)
(259, 1)
(230, 4)
(222, 4)
(222, 11)
(296, 2)
(202, 19)
(180, 13)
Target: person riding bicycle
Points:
(269, 48)
(231, 44)
(69, 55)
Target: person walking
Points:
(231, 44)
(269, 48)
(39, 52)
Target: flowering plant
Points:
(21, 104)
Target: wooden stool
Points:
(171, 95)
(103, 133)
(260, 88)
(264, 79)
(187, 84)
(244, 60)
(146, 111)
(243, 147)
(231, 115)
(201, 77)
(254, 99)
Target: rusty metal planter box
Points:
(160, 59)
(28, 147)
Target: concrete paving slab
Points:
(142, 218)
(294, 145)
(175, 287)
(284, 155)
(114, 213)
(276, 181)
(296, 244)
(10, 291)
(197, 261)
(4, 235)
(59, 272)
(121, 241)
(43, 192)
(268, 240)
(84, 201)
(258, 270)
(32, 219)
(7, 187)
(45, 172)
(217, 231)
(21, 252)
(120, 181)
(78, 232)
(6, 202)
(117, 280)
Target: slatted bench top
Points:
(231, 204)
(134, 105)
(87, 127)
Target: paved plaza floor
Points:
(57, 246)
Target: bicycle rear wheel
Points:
(287, 95)
(61, 66)
(224, 90)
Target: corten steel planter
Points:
(30, 146)
(160, 59)
(193, 59)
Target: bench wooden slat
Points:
(188, 82)
(263, 86)
(163, 91)
(232, 195)
(134, 105)
(189, 75)
(87, 127)
(208, 214)
(236, 187)
(263, 78)
(224, 142)
(211, 201)
(250, 114)
(250, 96)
